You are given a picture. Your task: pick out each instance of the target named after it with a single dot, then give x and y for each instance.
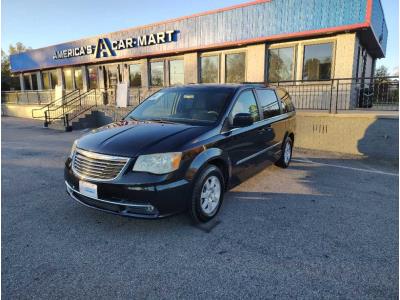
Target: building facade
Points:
(264, 40)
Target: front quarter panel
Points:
(203, 158)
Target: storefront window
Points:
(78, 78)
(135, 75)
(210, 69)
(27, 82)
(54, 79)
(157, 73)
(317, 62)
(92, 73)
(46, 81)
(235, 68)
(34, 82)
(176, 72)
(281, 64)
(68, 79)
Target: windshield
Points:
(201, 105)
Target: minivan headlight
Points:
(73, 149)
(160, 163)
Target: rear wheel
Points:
(286, 155)
(207, 194)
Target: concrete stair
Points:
(94, 118)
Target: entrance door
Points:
(112, 77)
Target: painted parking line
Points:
(345, 167)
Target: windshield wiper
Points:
(133, 119)
(160, 121)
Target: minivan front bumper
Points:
(130, 199)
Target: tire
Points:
(208, 184)
(286, 155)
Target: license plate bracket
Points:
(88, 189)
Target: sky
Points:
(40, 23)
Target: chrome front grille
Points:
(97, 166)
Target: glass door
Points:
(112, 77)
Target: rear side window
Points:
(269, 103)
(286, 101)
(246, 103)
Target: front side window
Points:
(210, 69)
(184, 105)
(317, 62)
(235, 67)
(135, 75)
(92, 74)
(157, 73)
(78, 78)
(176, 72)
(68, 79)
(269, 103)
(280, 64)
(246, 103)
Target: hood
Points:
(132, 138)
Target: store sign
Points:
(107, 48)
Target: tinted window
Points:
(246, 103)
(78, 78)
(46, 81)
(280, 64)
(210, 69)
(34, 82)
(68, 79)
(176, 72)
(135, 76)
(235, 68)
(317, 62)
(269, 103)
(185, 105)
(92, 71)
(157, 73)
(286, 102)
(54, 79)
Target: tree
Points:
(8, 80)
(382, 71)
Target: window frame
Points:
(229, 117)
(169, 69)
(27, 81)
(160, 60)
(79, 69)
(260, 106)
(294, 58)
(96, 68)
(217, 54)
(129, 75)
(72, 69)
(233, 52)
(333, 59)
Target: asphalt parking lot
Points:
(327, 227)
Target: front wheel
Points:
(286, 155)
(207, 194)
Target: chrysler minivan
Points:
(181, 149)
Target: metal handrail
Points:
(50, 104)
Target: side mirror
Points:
(242, 120)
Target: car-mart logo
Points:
(107, 48)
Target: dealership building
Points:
(259, 41)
